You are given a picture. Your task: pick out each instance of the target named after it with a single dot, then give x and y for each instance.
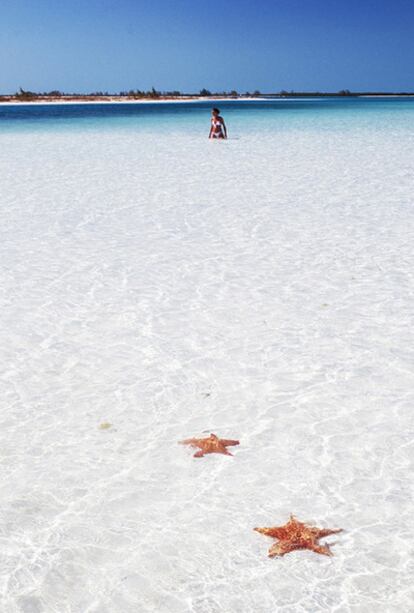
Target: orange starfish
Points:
(211, 444)
(295, 535)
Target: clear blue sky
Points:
(88, 45)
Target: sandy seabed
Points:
(260, 288)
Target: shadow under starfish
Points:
(211, 444)
(297, 535)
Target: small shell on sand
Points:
(105, 425)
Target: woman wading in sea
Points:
(218, 127)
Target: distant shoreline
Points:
(113, 100)
(103, 99)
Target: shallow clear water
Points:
(260, 288)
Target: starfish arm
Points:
(327, 532)
(199, 454)
(294, 523)
(322, 549)
(282, 548)
(225, 451)
(229, 442)
(262, 530)
(277, 532)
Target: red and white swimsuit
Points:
(217, 133)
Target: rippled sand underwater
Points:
(156, 287)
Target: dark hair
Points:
(215, 110)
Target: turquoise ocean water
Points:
(242, 116)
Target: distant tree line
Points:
(204, 93)
(153, 94)
(131, 93)
(23, 94)
(289, 94)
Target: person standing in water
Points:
(218, 127)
